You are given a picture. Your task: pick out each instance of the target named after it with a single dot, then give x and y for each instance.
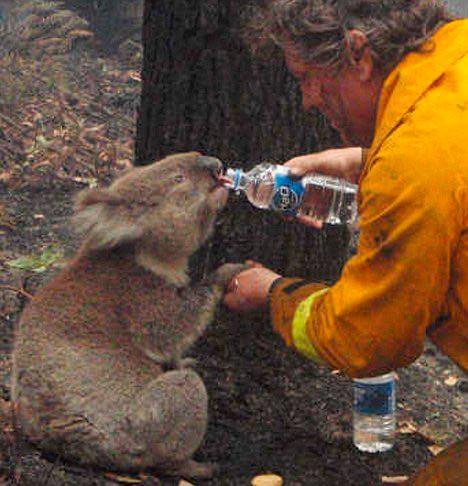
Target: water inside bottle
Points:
(374, 433)
(323, 198)
(329, 200)
(261, 190)
(374, 415)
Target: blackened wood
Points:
(203, 90)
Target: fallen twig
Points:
(19, 291)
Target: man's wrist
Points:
(271, 288)
(364, 152)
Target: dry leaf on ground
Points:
(451, 380)
(407, 427)
(267, 480)
(394, 479)
(435, 449)
(437, 433)
(125, 479)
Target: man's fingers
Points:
(296, 169)
(254, 264)
(305, 220)
(308, 221)
(235, 302)
(228, 299)
(299, 166)
(232, 286)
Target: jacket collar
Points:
(414, 75)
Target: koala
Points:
(98, 371)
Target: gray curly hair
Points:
(319, 28)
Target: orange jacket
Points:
(409, 277)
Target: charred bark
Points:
(203, 90)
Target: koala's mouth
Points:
(224, 180)
(219, 193)
(219, 181)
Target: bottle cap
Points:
(233, 178)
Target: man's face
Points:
(342, 97)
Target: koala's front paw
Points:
(187, 363)
(225, 273)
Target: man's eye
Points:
(179, 178)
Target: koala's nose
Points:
(214, 165)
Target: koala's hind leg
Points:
(170, 417)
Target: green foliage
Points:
(50, 257)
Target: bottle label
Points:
(374, 399)
(287, 195)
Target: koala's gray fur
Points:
(92, 349)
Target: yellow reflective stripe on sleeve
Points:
(299, 327)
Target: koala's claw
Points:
(178, 364)
(186, 363)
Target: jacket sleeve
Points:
(374, 319)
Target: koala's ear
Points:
(100, 216)
(88, 197)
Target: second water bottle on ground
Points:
(374, 413)
(326, 199)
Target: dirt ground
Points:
(270, 411)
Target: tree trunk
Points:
(203, 90)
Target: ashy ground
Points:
(270, 411)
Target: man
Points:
(391, 75)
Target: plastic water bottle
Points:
(374, 413)
(267, 186)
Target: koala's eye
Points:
(179, 178)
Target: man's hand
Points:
(248, 291)
(345, 163)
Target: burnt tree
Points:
(204, 90)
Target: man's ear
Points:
(360, 54)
